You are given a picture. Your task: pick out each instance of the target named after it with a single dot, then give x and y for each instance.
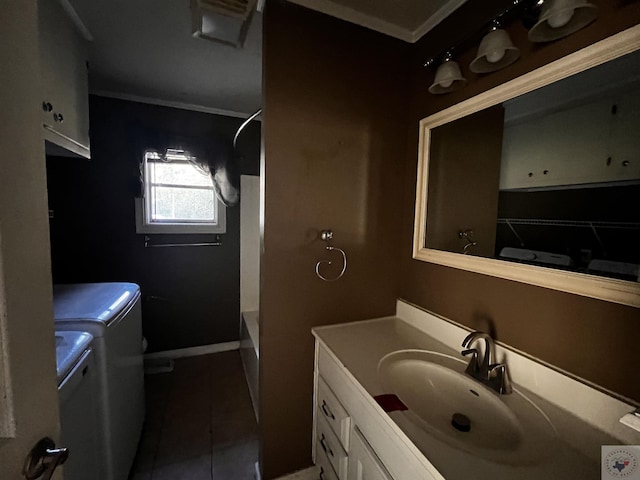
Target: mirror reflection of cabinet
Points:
(567, 191)
(595, 142)
(625, 135)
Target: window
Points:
(178, 196)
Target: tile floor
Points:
(199, 423)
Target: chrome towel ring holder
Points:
(327, 236)
(467, 236)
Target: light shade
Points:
(496, 51)
(448, 78)
(560, 18)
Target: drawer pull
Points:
(325, 445)
(321, 473)
(327, 411)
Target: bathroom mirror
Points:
(538, 179)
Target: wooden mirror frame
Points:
(609, 289)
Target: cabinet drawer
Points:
(334, 413)
(324, 465)
(328, 444)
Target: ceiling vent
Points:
(222, 21)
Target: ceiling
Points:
(408, 20)
(143, 49)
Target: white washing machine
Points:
(78, 399)
(111, 312)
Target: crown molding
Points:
(436, 18)
(373, 23)
(171, 104)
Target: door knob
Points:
(43, 459)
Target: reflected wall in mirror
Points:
(538, 180)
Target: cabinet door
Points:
(363, 462)
(63, 68)
(568, 147)
(625, 137)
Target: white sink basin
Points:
(463, 413)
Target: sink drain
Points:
(461, 422)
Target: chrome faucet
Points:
(494, 375)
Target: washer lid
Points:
(97, 302)
(69, 348)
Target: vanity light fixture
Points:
(496, 51)
(448, 77)
(560, 18)
(551, 20)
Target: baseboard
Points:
(193, 351)
(158, 365)
(310, 473)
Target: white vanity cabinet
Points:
(353, 439)
(63, 70)
(360, 435)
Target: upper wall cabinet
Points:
(63, 65)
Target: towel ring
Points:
(327, 236)
(467, 236)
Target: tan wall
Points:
(590, 338)
(334, 142)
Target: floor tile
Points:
(140, 476)
(199, 423)
(236, 462)
(193, 469)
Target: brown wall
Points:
(593, 339)
(334, 143)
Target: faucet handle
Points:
(499, 377)
(473, 366)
